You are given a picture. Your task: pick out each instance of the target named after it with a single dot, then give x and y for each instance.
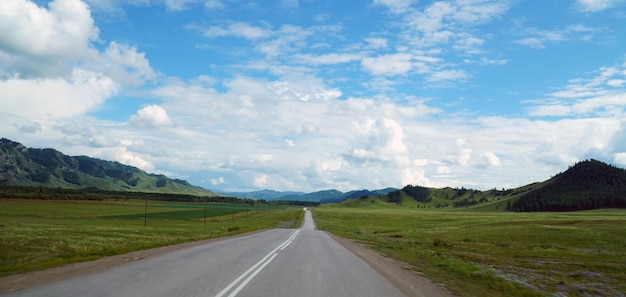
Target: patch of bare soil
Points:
(410, 283)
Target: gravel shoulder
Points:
(409, 282)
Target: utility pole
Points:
(145, 215)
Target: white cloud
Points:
(177, 5)
(376, 43)
(213, 4)
(538, 38)
(327, 59)
(305, 91)
(616, 83)
(289, 4)
(414, 177)
(36, 41)
(260, 181)
(218, 181)
(443, 170)
(80, 93)
(420, 162)
(379, 140)
(151, 116)
(439, 31)
(480, 11)
(448, 75)
(391, 64)
(396, 6)
(126, 65)
(597, 5)
(135, 160)
(49, 65)
(237, 29)
(600, 94)
(288, 103)
(620, 158)
(490, 159)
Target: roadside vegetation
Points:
(39, 234)
(489, 252)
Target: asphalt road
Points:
(280, 262)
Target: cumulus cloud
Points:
(125, 64)
(260, 181)
(37, 42)
(379, 140)
(80, 93)
(49, 65)
(490, 159)
(218, 181)
(151, 116)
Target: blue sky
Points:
(309, 95)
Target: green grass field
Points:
(495, 253)
(39, 234)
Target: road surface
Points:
(280, 262)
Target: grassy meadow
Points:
(39, 234)
(494, 253)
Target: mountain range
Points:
(325, 196)
(588, 184)
(22, 166)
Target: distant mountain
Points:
(262, 194)
(325, 196)
(588, 184)
(357, 194)
(22, 166)
(321, 195)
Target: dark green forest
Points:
(46, 193)
(589, 184)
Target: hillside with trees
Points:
(34, 167)
(586, 185)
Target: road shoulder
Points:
(410, 283)
(32, 279)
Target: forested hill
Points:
(22, 166)
(588, 184)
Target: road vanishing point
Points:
(303, 262)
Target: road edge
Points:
(16, 282)
(410, 283)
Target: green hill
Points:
(588, 184)
(22, 166)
